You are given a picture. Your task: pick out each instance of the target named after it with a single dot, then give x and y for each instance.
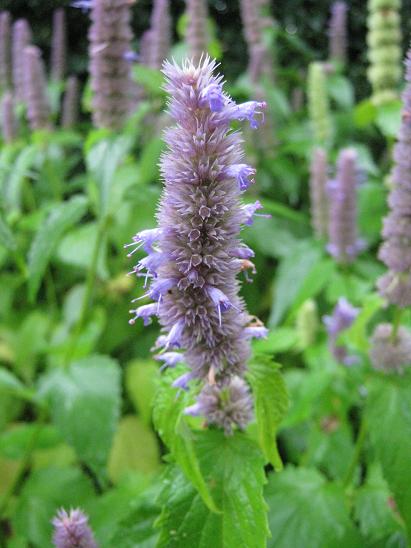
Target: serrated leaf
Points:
(21, 167)
(168, 418)
(45, 492)
(305, 510)
(234, 470)
(271, 404)
(388, 418)
(85, 406)
(61, 218)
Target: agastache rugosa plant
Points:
(70, 103)
(160, 34)
(71, 530)
(395, 250)
(8, 121)
(384, 49)
(110, 39)
(390, 351)
(318, 192)
(195, 254)
(38, 109)
(197, 32)
(341, 319)
(5, 50)
(58, 46)
(337, 32)
(318, 105)
(344, 245)
(21, 38)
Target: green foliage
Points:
(233, 470)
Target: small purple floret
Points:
(72, 530)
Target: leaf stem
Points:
(396, 323)
(357, 454)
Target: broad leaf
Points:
(61, 218)
(271, 404)
(388, 416)
(20, 170)
(85, 406)
(233, 468)
(305, 510)
(141, 386)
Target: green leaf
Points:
(61, 218)
(389, 118)
(6, 236)
(233, 468)
(364, 113)
(141, 386)
(21, 167)
(291, 278)
(271, 404)
(151, 79)
(341, 90)
(388, 418)
(168, 418)
(134, 449)
(305, 510)
(357, 333)
(15, 442)
(10, 384)
(373, 508)
(45, 492)
(148, 170)
(85, 406)
(280, 339)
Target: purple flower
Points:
(337, 32)
(182, 382)
(170, 359)
(344, 245)
(145, 312)
(131, 56)
(58, 45)
(145, 238)
(110, 75)
(21, 37)
(224, 406)
(200, 220)
(38, 108)
(248, 111)
(71, 530)
(342, 318)
(395, 250)
(388, 354)
(243, 173)
(249, 211)
(256, 332)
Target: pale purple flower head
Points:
(21, 38)
(318, 192)
(110, 39)
(58, 45)
(388, 353)
(337, 32)
(344, 245)
(195, 255)
(395, 250)
(38, 108)
(71, 530)
(224, 406)
(341, 319)
(70, 103)
(8, 119)
(5, 50)
(196, 32)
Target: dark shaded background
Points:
(302, 32)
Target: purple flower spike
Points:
(342, 318)
(338, 32)
(243, 173)
(395, 251)
(200, 220)
(58, 45)
(21, 38)
(72, 530)
(38, 108)
(388, 355)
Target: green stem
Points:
(357, 454)
(88, 293)
(24, 463)
(396, 323)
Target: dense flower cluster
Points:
(344, 245)
(21, 38)
(110, 39)
(388, 353)
(195, 254)
(70, 103)
(58, 46)
(395, 250)
(341, 319)
(318, 105)
(384, 53)
(337, 32)
(318, 192)
(159, 35)
(197, 32)
(5, 54)
(71, 530)
(38, 109)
